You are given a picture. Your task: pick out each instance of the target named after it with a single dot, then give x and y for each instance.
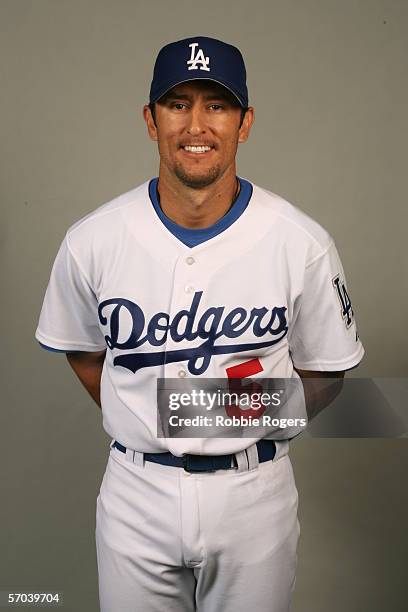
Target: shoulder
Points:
(106, 219)
(293, 225)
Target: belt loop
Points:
(138, 458)
(130, 455)
(242, 461)
(253, 459)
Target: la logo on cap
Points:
(198, 59)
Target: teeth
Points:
(197, 149)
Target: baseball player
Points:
(197, 273)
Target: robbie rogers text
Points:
(242, 421)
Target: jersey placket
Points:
(185, 284)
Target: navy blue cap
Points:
(199, 58)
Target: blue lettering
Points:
(190, 315)
(138, 322)
(210, 327)
(155, 326)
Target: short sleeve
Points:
(323, 335)
(69, 315)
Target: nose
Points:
(196, 121)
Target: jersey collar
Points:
(193, 237)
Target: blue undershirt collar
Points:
(193, 237)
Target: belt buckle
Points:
(188, 468)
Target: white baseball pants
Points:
(171, 541)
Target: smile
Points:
(200, 149)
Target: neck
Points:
(196, 208)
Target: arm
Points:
(320, 389)
(88, 368)
(324, 331)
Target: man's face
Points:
(198, 131)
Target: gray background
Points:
(328, 82)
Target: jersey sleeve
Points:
(69, 315)
(324, 335)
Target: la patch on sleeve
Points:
(346, 308)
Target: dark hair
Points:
(153, 111)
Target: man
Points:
(196, 274)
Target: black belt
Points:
(205, 463)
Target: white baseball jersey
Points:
(268, 286)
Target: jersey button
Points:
(190, 261)
(188, 289)
(181, 373)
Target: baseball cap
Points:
(199, 58)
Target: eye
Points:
(216, 107)
(178, 105)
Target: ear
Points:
(151, 126)
(245, 128)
